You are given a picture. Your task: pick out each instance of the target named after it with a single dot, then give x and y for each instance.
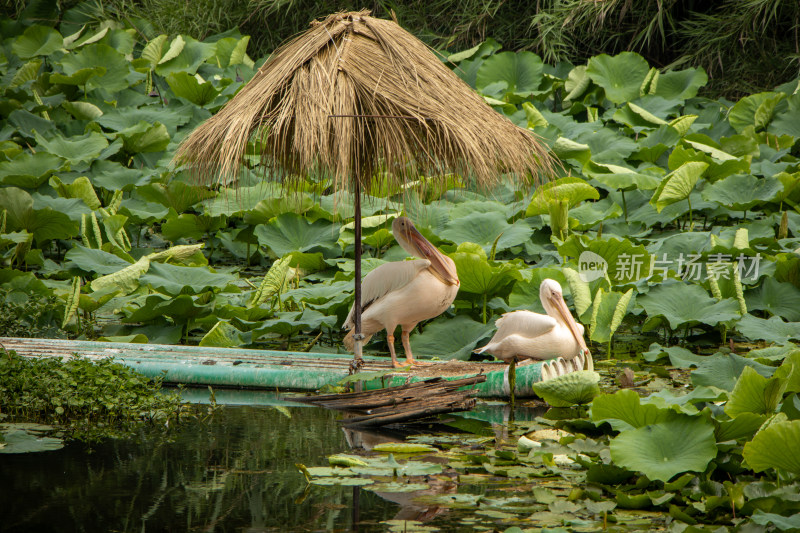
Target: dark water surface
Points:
(234, 472)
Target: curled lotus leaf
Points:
(570, 389)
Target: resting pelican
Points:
(405, 292)
(527, 335)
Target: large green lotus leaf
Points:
(624, 411)
(450, 338)
(753, 393)
(123, 118)
(485, 228)
(608, 145)
(179, 308)
(117, 67)
(723, 370)
(744, 426)
(478, 276)
(112, 176)
(192, 54)
(231, 51)
(230, 202)
(774, 329)
(270, 204)
(322, 296)
(45, 224)
(678, 184)
(81, 189)
(82, 110)
(290, 323)
(786, 123)
(74, 149)
(29, 170)
(682, 304)
(626, 262)
(681, 84)
(21, 441)
(621, 76)
(172, 279)
(176, 194)
(187, 86)
(777, 297)
(589, 214)
(617, 177)
(742, 192)
(521, 71)
(37, 41)
(656, 143)
(97, 261)
(140, 212)
(485, 49)
(80, 77)
(188, 226)
(290, 232)
(784, 523)
(144, 137)
(575, 388)
(29, 124)
(566, 149)
(775, 447)
(754, 110)
(665, 449)
(225, 335)
(573, 190)
(637, 117)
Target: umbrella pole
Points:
(357, 336)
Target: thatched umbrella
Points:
(354, 96)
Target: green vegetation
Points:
(84, 399)
(746, 46)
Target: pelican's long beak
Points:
(444, 270)
(557, 301)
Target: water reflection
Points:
(234, 471)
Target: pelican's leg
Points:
(390, 340)
(404, 337)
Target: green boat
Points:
(284, 371)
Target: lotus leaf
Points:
(775, 447)
(225, 335)
(624, 411)
(723, 371)
(574, 388)
(189, 87)
(773, 329)
(626, 262)
(174, 280)
(784, 523)
(665, 449)
(184, 55)
(124, 118)
(744, 426)
(520, 72)
(680, 304)
(74, 149)
(22, 441)
(290, 323)
(402, 447)
(179, 308)
(93, 260)
(290, 232)
(117, 68)
(487, 229)
(681, 84)
(620, 76)
(742, 192)
(29, 170)
(678, 185)
(754, 110)
(573, 190)
(776, 297)
(754, 393)
(450, 338)
(45, 224)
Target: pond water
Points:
(233, 471)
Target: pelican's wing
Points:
(524, 323)
(386, 278)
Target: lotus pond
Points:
(674, 229)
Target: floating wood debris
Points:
(405, 403)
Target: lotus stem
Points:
(624, 206)
(483, 313)
(688, 199)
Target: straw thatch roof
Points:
(354, 96)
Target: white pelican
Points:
(527, 335)
(405, 293)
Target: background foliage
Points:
(744, 45)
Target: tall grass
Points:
(745, 45)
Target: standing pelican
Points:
(405, 292)
(528, 335)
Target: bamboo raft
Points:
(277, 370)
